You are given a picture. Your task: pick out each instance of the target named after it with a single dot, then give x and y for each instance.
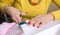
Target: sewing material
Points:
(24, 22)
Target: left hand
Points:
(14, 13)
(40, 20)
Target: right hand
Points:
(14, 13)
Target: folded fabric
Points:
(10, 29)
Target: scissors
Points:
(19, 24)
(23, 21)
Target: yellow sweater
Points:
(33, 11)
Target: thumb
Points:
(24, 13)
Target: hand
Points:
(14, 13)
(40, 20)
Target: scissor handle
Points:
(22, 23)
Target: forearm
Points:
(11, 10)
(7, 9)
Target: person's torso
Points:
(32, 10)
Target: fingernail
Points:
(30, 18)
(29, 23)
(26, 12)
(20, 15)
(33, 25)
(37, 26)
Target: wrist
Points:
(6, 9)
(52, 16)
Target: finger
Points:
(38, 24)
(39, 21)
(35, 19)
(42, 24)
(14, 19)
(24, 13)
(19, 19)
(35, 23)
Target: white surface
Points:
(51, 28)
(51, 31)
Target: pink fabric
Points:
(10, 29)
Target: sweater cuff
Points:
(56, 14)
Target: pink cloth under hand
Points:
(10, 29)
